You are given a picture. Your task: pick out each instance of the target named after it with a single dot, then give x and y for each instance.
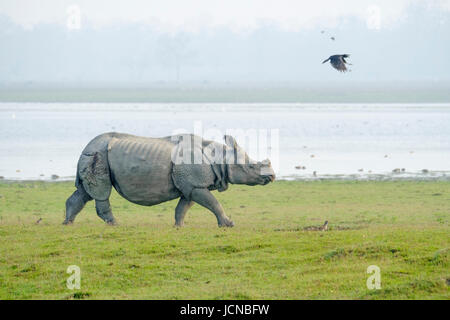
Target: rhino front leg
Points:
(75, 204)
(180, 211)
(104, 211)
(205, 198)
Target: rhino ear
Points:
(230, 141)
(221, 181)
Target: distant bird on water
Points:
(338, 62)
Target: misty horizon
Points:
(409, 50)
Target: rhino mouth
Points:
(268, 179)
(267, 175)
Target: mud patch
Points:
(224, 249)
(440, 257)
(319, 228)
(405, 290)
(314, 228)
(365, 252)
(287, 229)
(232, 249)
(337, 253)
(78, 296)
(51, 254)
(29, 268)
(347, 227)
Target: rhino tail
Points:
(78, 183)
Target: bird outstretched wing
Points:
(346, 56)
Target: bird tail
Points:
(326, 60)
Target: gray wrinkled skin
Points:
(142, 171)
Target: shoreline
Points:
(290, 92)
(372, 177)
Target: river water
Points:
(347, 141)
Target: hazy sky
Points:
(222, 40)
(190, 15)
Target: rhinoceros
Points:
(149, 171)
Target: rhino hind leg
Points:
(75, 203)
(205, 198)
(181, 209)
(104, 211)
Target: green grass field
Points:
(402, 227)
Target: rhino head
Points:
(241, 169)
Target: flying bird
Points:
(338, 62)
(333, 38)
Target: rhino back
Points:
(141, 169)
